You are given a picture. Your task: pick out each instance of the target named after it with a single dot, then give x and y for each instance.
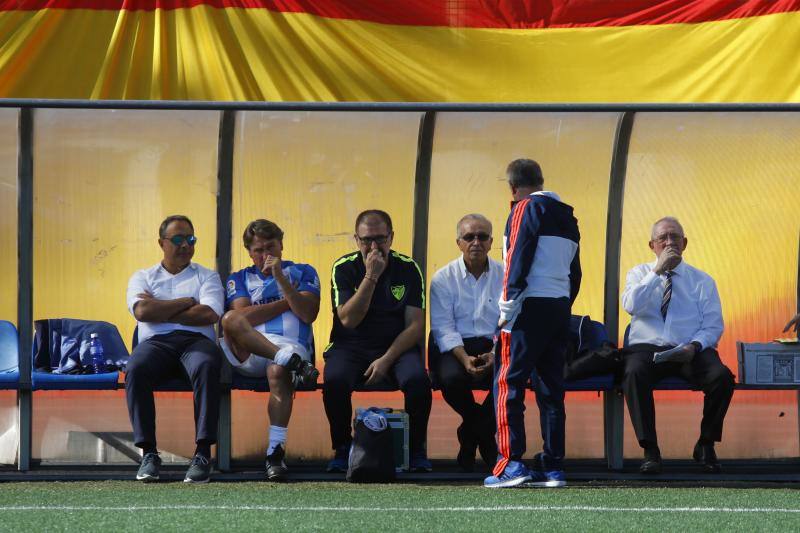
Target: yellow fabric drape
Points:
(206, 53)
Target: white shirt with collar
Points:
(462, 306)
(694, 312)
(194, 281)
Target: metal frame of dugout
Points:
(613, 408)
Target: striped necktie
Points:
(667, 295)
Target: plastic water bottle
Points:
(96, 351)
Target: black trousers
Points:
(704, 371)
(344, 369)
(457, 385)
(174, 355)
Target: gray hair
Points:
(665, 219)
(525, 173)
(472, 216)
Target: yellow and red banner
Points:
(402, 50)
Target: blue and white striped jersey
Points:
(260, 289)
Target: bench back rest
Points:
(9, 346)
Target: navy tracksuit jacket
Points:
(542, 278)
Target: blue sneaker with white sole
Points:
(546, 472)
(550, 479)
(514, 475)
(340, 460)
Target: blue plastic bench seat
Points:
(41, 380)
(49, 381)
(9, 356)
(9, 379)
(594, 383)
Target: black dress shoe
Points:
(705, 454)
(652, 462)
(467, 448)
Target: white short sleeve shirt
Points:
(194, 281)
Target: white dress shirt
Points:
(694, 312)
(194, 281)
(462, 306)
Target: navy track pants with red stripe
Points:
(534, 349)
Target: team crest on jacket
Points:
(398, 291)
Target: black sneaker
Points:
(303, 373)
(199, 471)
(148, 469)
(276, 468)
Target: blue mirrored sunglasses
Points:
(177, 240)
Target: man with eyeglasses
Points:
(378, 325)
(542, 278)
(464, 315)
(268, 329)
(176, 304)
(676, 323)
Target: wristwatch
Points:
(697, 346)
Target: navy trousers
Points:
(344, 370)
(173, 355)
(534, 349)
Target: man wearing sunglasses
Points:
(464, 315)
(675, 311)
(268, 328)
(176, 304)
(378, 326)
(542, 278)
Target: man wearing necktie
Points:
(676, 307)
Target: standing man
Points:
(378, 326)
(176, 304)
(542, 278)
(272, 306)
(674, 306)
(464, 315)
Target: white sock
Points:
(277, 436)
(283, 355)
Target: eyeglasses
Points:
(469, 237)
(177, 240)
(664, 237)
(377, 239)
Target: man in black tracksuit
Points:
(378, 299)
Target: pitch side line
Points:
(503, 508)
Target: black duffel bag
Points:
(372, 453)
(589, 351)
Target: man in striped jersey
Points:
(541, 280)
(268, 328)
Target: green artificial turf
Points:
(123, 505)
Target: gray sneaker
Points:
(199, 471)
(148, 469)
